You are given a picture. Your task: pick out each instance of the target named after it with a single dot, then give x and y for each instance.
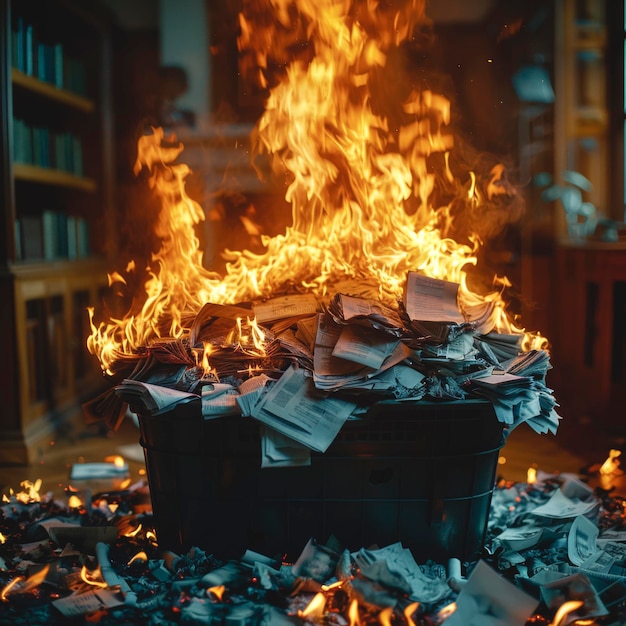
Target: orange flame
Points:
(611, 464)
(140, 556)
(372, 197)
(21, 585)
(353, 613)
(410, 609)
(315, 609)
(30, 492)
(93, 578)
(74, 502)
(446, 611)
(217, 592)
(564, 610)
(116, 459)
(132, 532)
(384, 617)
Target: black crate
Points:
(421, 473)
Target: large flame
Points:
(373, 193)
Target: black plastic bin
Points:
(421, 473)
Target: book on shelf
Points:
(72, 237)
(17, 44)
(50, 235)
(29, 47)
(83, 243)
(31, 232)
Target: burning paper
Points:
(489, 600)
(377, 191)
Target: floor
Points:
(578, 448)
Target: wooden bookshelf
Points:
(56, 190)
(47, 176)
(50, 91)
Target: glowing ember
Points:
(373, 194)
(531, 475)
(2, 538)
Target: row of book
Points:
(42, 146)
(44, 59)
(50, 236)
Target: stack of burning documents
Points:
(302, 366)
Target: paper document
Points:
(432, 299)
(294, 408)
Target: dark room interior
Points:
(210, 203)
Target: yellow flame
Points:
(116, 459)
(74, 502)
(446, 611)
(353, 613)
(611, 464)
(140, 556)
(7, 588)
(531, 475)
(22, 585)
(217, 592)
(372, 197)
(151, 537)
(408, 611)
(29, 493)
(2, 538)
(93, 578)
(134, 532)
(384, 617)
(564, 610)
(315, 609)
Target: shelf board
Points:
(50, 91)
(36, 174)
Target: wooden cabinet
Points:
(589, 351)
(56, 201)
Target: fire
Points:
(22, 585)
(531, 475)
(74, 502)
(93, 578)
(116, 459)
(410, 609)
(30, 492)
(353, 613)
(564, 610)
(384, 617)
(611, 464)
(140, 556)
(315, 608)
(217, 592)
(373, 194)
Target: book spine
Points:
(50, 235)
(72, 241)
